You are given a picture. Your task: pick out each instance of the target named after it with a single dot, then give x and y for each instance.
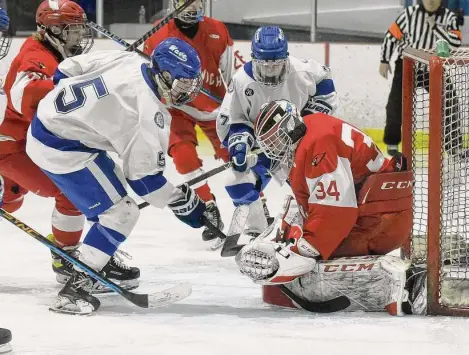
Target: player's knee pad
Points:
(185, 157)
(121, 217)
(242, 187)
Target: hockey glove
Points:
(189, 208)
(315, 106)
(239, 146)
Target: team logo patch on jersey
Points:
(249, 92)
(159, 120)
(230, 86)
(318, 159)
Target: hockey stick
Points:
(127, 45)
(334, 305)
(157, 299)
(199, 178)
(163, 22)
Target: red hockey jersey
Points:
(330, 160)
(29, 79)
(215, 48)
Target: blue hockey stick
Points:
(158, 299)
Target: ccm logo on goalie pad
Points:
(390, 185)
(348, 267)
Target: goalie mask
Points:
(193, 14)
(270, 63)
(278, 128)
(176, 67)
(63, 24)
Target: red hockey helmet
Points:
(63, 23)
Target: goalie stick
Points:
(153, 300)
(127, 45)
(334, 305)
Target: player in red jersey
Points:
(61, 33)
(215, 48)
(350, 200)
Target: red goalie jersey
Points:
(354, 202)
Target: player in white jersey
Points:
(112, 101)
(271, 75)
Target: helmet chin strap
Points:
(57, 44)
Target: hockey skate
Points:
(417, 287)
(213, 215)
(116, 270)
(75, 297)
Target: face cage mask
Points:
(78, 39)
(5, 43)
(278, 147)
(193, 13)
(181, 91)
(270, 73)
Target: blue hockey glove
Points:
(239, 147)
(189, 207)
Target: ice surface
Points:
(224, 315)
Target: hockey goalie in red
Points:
(353, 206)
(215, 47)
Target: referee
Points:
(419, 26)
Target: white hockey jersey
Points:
(308, 85)
(103, 102)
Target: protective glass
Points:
(270, 72)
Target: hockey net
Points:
(435, 140)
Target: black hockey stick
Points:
(163, 22)
(157, 299)
(334, 305)
(125, 44)
(199, 178)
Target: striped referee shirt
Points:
(414, 28)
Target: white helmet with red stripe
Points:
(278, 128)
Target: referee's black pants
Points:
(392, 130)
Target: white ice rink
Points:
(224, 315)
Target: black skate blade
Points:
(5, 336)
(334, 305)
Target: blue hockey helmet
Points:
(269, 53)
(177, 70)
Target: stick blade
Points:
(170, 295)
(334, 305)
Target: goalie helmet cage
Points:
(435, 129)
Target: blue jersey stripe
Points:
(147, 184)
(325, 87)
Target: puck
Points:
(5, 336)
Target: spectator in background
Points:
(418, 26)
(142, 15)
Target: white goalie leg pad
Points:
(372, 283)
(269, 263)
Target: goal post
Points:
(435, 117)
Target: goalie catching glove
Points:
(188, 207)
(280, 254)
